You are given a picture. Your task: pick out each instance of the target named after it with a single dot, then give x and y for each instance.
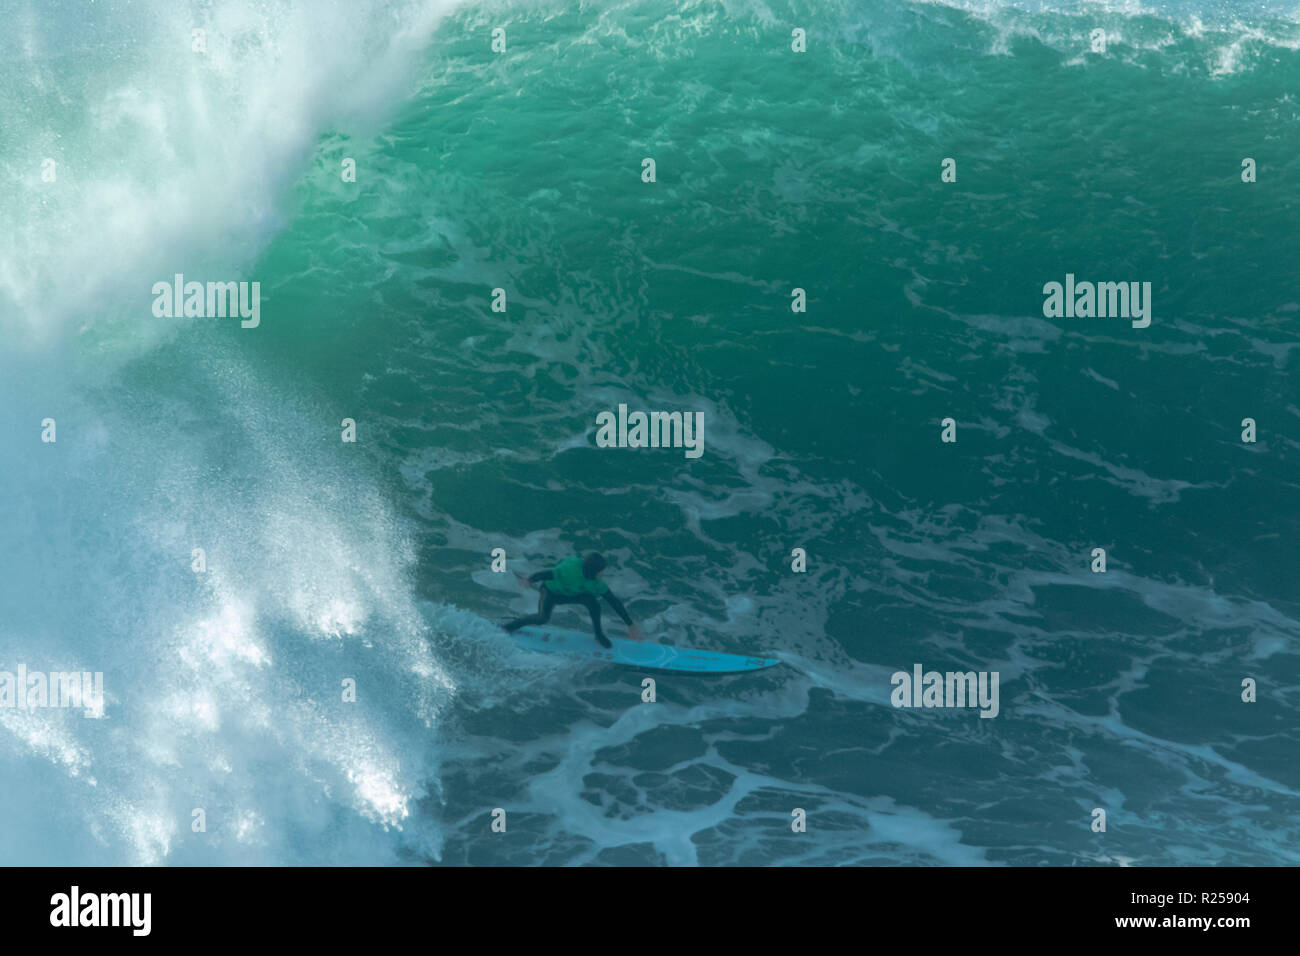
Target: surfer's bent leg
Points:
(545, 605)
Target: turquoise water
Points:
(476, 429)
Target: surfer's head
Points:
(593, 564)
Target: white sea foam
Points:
(170, 159)
(224, 689)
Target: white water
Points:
(224, 689)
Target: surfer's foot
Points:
(604, 641)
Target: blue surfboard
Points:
(657, 657)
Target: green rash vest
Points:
(569, 581)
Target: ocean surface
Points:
(775, 170)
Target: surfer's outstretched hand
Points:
(523, 581)
(634, 631)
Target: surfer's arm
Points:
(618, 607)
(535, 578)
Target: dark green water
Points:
(476, 430)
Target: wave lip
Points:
(155, 149)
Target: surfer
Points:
(575, 581)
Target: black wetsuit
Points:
(548, 600)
